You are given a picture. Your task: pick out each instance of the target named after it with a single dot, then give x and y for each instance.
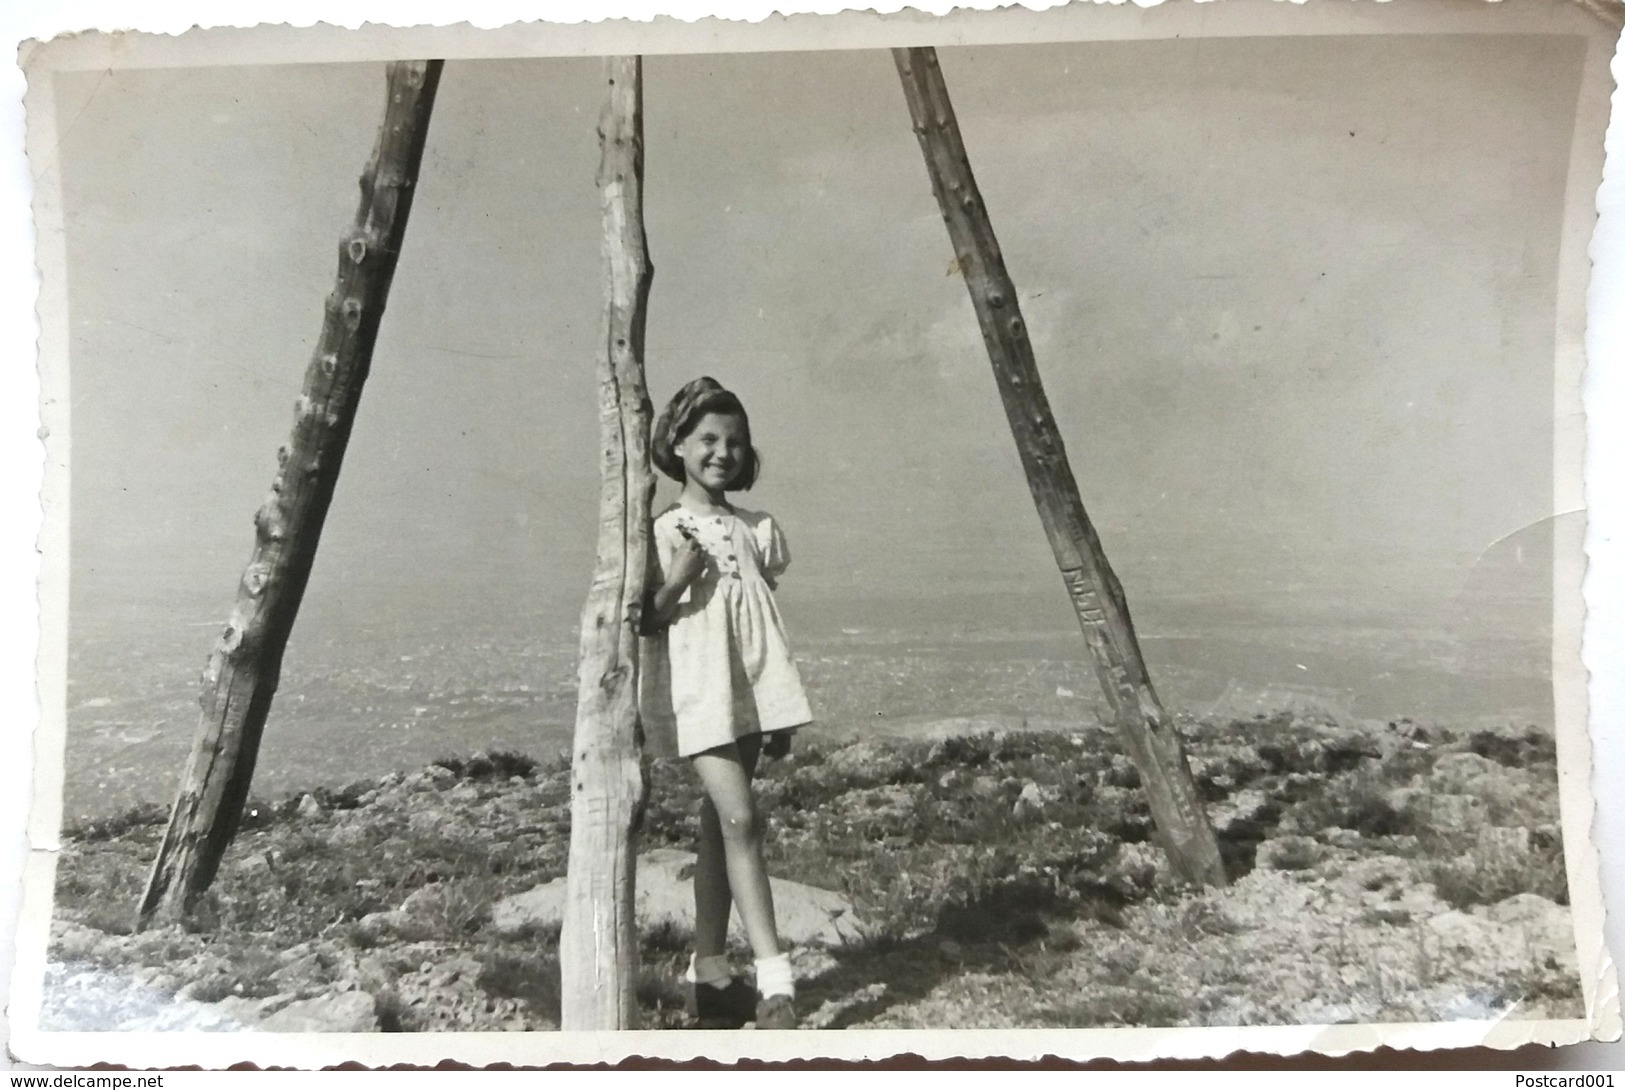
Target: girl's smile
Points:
(713, 452)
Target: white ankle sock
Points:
(773, 976)
(712, 969)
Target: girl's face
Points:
(713, 452)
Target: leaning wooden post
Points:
(598, 948)
(243, 670)
(1096, 595)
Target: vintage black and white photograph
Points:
(965, 529)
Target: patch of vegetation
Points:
(118, 825)
(1142, 1003)
(533, 978)
(1525, 749)
(1360, 800)
(1489, 872)
(500, 765)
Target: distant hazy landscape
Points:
(378, 678)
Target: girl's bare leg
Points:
(726, 773)
(713, 899)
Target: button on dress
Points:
(722, 669)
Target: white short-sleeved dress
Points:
(722, 669)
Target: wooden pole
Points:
(598, 948)
(1096, 595)
(244, 668)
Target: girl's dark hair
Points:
(683, 413)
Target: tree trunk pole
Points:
(598, 948)
(243, 670)
(1145, 729)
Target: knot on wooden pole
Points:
(256, 577)
(268, 523)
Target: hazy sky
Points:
(1292, 300)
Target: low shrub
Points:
(500, 765)
(531, 978)
(1521, 750)
(1490, 871)
(1356, 800)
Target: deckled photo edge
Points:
(1599, 980)
(49, 733)
(282, 45)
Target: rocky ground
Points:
(1382, 872)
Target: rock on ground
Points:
(1547, 927)
(866, 762)
(805, 914)
(80, 998)
(346, 1012)
(1288, 853)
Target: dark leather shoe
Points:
(728, 1007)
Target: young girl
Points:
(717, 680)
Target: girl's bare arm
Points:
(661, 606)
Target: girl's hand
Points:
(777, 746)
(687, 564)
